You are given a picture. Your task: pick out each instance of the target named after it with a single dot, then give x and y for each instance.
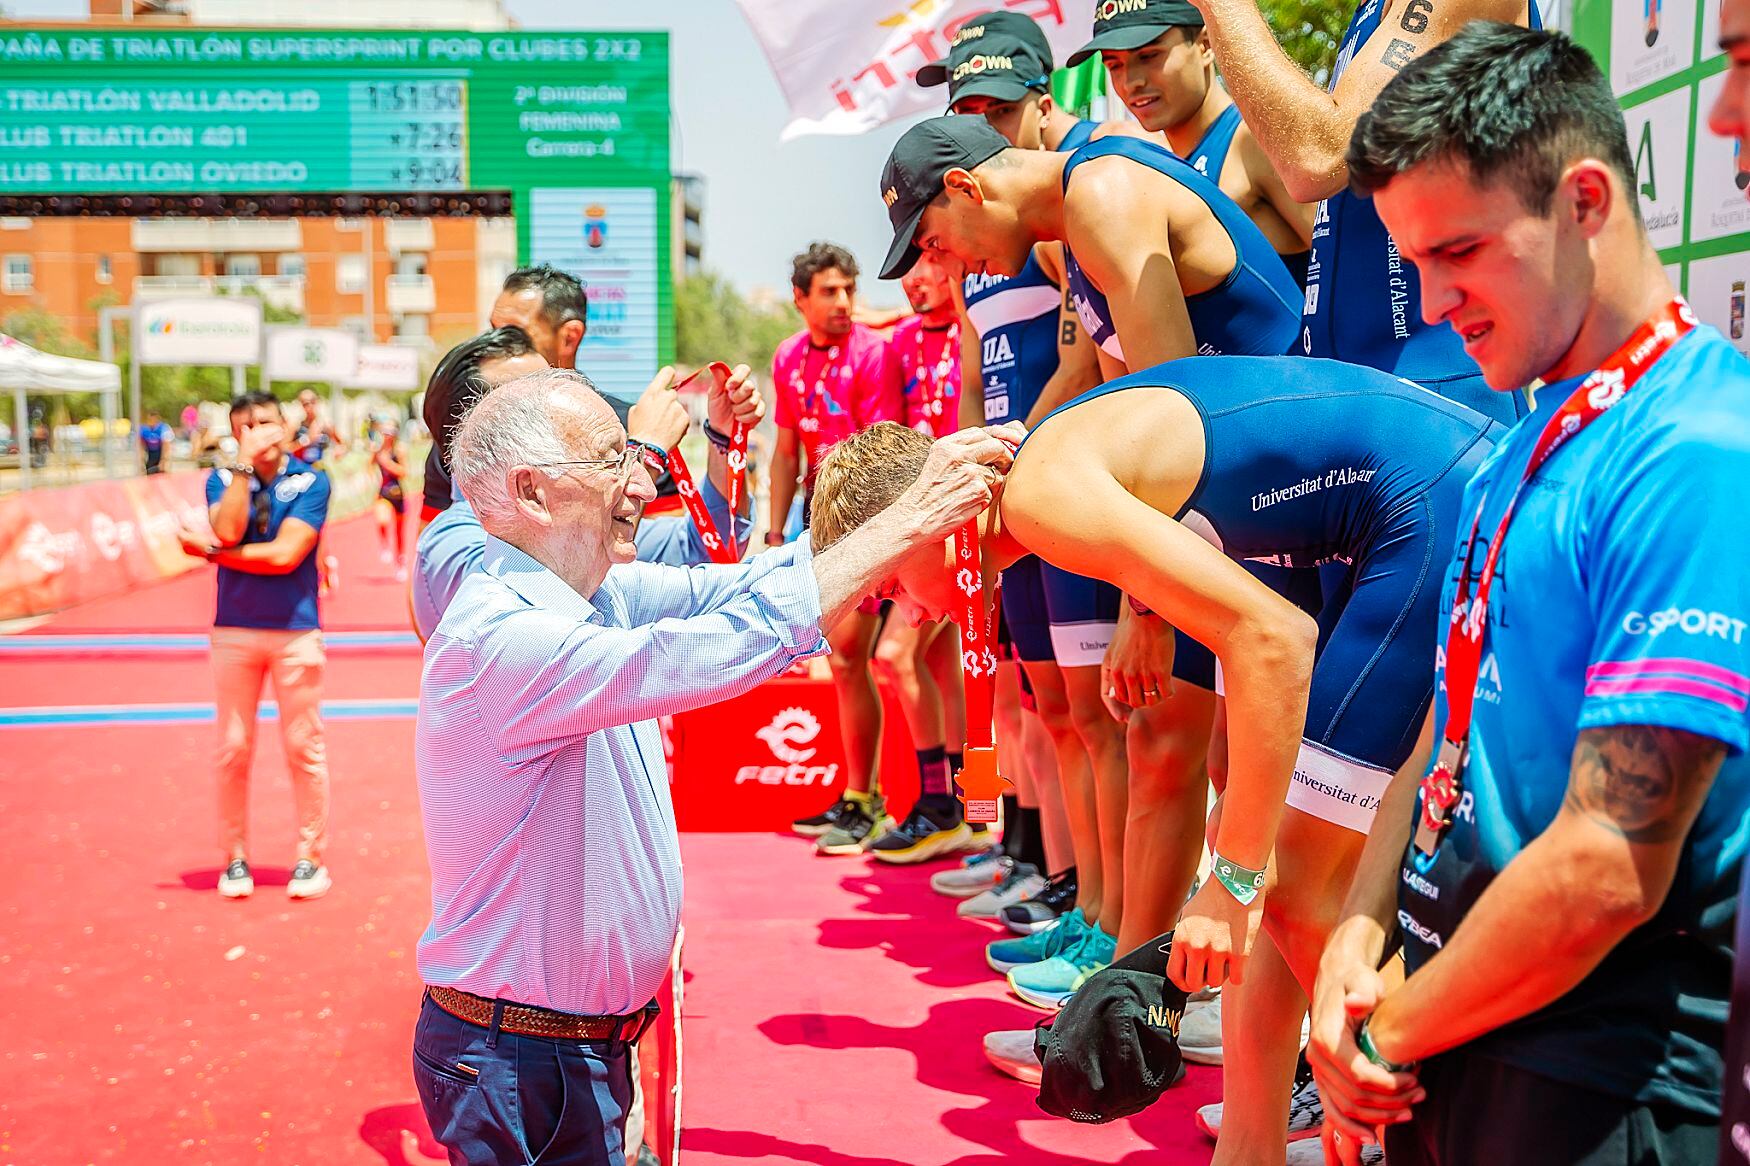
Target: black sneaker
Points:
(237, 882)
(858, 826)
(927, 832)
(833, 815)
(308, 880)
(1043, 909)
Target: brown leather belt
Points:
(528, 1020)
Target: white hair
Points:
(510, 426)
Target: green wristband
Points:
(1242, 883)
(1364, 1042)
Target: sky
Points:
(763, 201)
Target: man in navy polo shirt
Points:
(266, 510)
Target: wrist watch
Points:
(242, 468)
(716, 437)
(1364, 1042)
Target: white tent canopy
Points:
(23, 370)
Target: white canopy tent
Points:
(24, 370)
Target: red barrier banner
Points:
(762, 760)
(67, 546)
(74, 544)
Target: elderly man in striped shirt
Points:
(556, 882)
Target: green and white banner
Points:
(1663, 61)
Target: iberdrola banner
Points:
(847, 66)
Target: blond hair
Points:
(863, 475)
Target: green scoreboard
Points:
(1664, 62)
(572, 126)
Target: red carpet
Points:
(833, 1011)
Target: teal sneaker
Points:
(1005, 955)
(1049, 983)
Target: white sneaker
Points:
(1311, 1152)
(309, 881)
(1022, 882)
(1011, 1051)
(236, 882)
(973, 876)
(1306, 1112)
(1200, 1032)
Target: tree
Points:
(1309, 31)
(714, 322)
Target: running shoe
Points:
(1050, 983)
(1023, 882)
(1011, 1051)
(237, 882)
(857, 829)
(1311, 1152)
(982, 839)
(973, 876)
(1200, 1032)
(922, 836)
(309, 881)
(1043, 909)
(816, 825)
(1306, 1112)
(1005, 955)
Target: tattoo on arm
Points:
(1397, 54)
(1642, 782)
(1415, 18)
(1067, 326)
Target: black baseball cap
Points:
(994, 34)
(913, 176)
(1114, 1049)
(1122, 25)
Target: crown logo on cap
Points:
(970, 32)
(1111, 8)
(890, 196)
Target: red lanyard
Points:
(933, 380)
(720, 551)
(811, 397)
(1598, 393)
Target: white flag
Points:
(847, 66)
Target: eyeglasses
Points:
(621, 464)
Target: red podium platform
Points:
(761, 761)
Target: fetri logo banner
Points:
(847, 66)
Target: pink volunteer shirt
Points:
(827, 394)
(929, 366)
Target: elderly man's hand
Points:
(957, 480)
(734, 398)
(658, 416)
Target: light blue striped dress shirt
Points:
(451, 547)
(555, 865)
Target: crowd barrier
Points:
(73, 544)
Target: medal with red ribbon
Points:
(810, 399)
(720, 551)
(979, 782)
(1601, 391)
(933, 378)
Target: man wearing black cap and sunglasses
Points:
(1161, 66)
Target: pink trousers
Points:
(243, 658)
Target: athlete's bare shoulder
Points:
(1112, 198)
(1148, 438)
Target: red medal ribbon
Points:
(720, 551)
(979, 781)
(1601, 391)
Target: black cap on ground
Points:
(1122, 25)
(1114, 1048)
(913, 176)
(993, 33)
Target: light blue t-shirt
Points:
(1622, 597)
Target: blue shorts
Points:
(1054, 615)
(1374, 673)
(1024, 610)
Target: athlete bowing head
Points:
(1164, 482)
(1161, 264)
